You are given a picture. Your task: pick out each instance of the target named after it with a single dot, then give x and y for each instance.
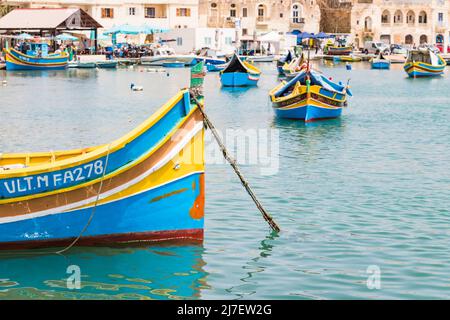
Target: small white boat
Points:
(380, 62)
(259, 58)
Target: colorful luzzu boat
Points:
(145, 186)
(239, 73)
(285, 60)
(309, 96)
(380, 62)
(424, 63)
(35, 58)
(332, 50)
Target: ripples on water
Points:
(371, 188)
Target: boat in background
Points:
(258, 58)
(333, 50)
(107, 64)
(174, 64)
(35, 56)
(380, 62)
(239, 73)
(309, 96)
(146, 186)
(215, 67)
(292, 69)
(285, 59)
(424, 63)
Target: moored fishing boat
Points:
(290, 70)
(309, 96)
(174, 64)
(333, 50)
(424, 63)
(258, 58)
(380, 62)
(285, 60)
(146, 186)
(35, 56)
(107, 64)
(239, 73)
(215, 67)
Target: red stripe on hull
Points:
(129, 239)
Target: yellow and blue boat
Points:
(310, 96)
(146, 186)
(424, 63)
(333, 50)
(285, 60)
(239, 73)
(35, 56)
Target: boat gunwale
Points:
(62, 55)
(101, 150)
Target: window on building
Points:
(261, 11)
(244, 31)
(107, 13)
(213, 5)
(281, 15)
(228, 41)
(297, 13)
(179, 41)
(132, 11)
(232, 12)
(183, 12)
(208, 41)
(440, 17)
(150, 12)
(244, 12)
(423, 17)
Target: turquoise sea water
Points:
(369, 189)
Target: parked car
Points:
(398, 49)
(375, 47)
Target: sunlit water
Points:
(369, 189)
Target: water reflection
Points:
(159, 272)
(253, 267)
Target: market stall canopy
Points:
(66, 37)
(134, 30)
(323, 35)
(48, 19)
(24, 36)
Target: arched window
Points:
(422, 17)
(232, 10)
(423, 39)
(410, 17)
(297, 11)
(261, 12)
(386, 17)
(368, 24)
(398, 17)
(408, 39)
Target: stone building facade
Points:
(409, 22)
(254, 17)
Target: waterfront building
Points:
(167, 14)
(409, 22)
(256, 17)
(187, 40)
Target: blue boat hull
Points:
(381, 65)
(238, 79)
(308, 113)
(145, 214)
(14, 67)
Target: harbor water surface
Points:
(361, 196)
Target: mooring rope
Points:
(235, 167)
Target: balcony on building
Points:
(297, 22)
(156, 11)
